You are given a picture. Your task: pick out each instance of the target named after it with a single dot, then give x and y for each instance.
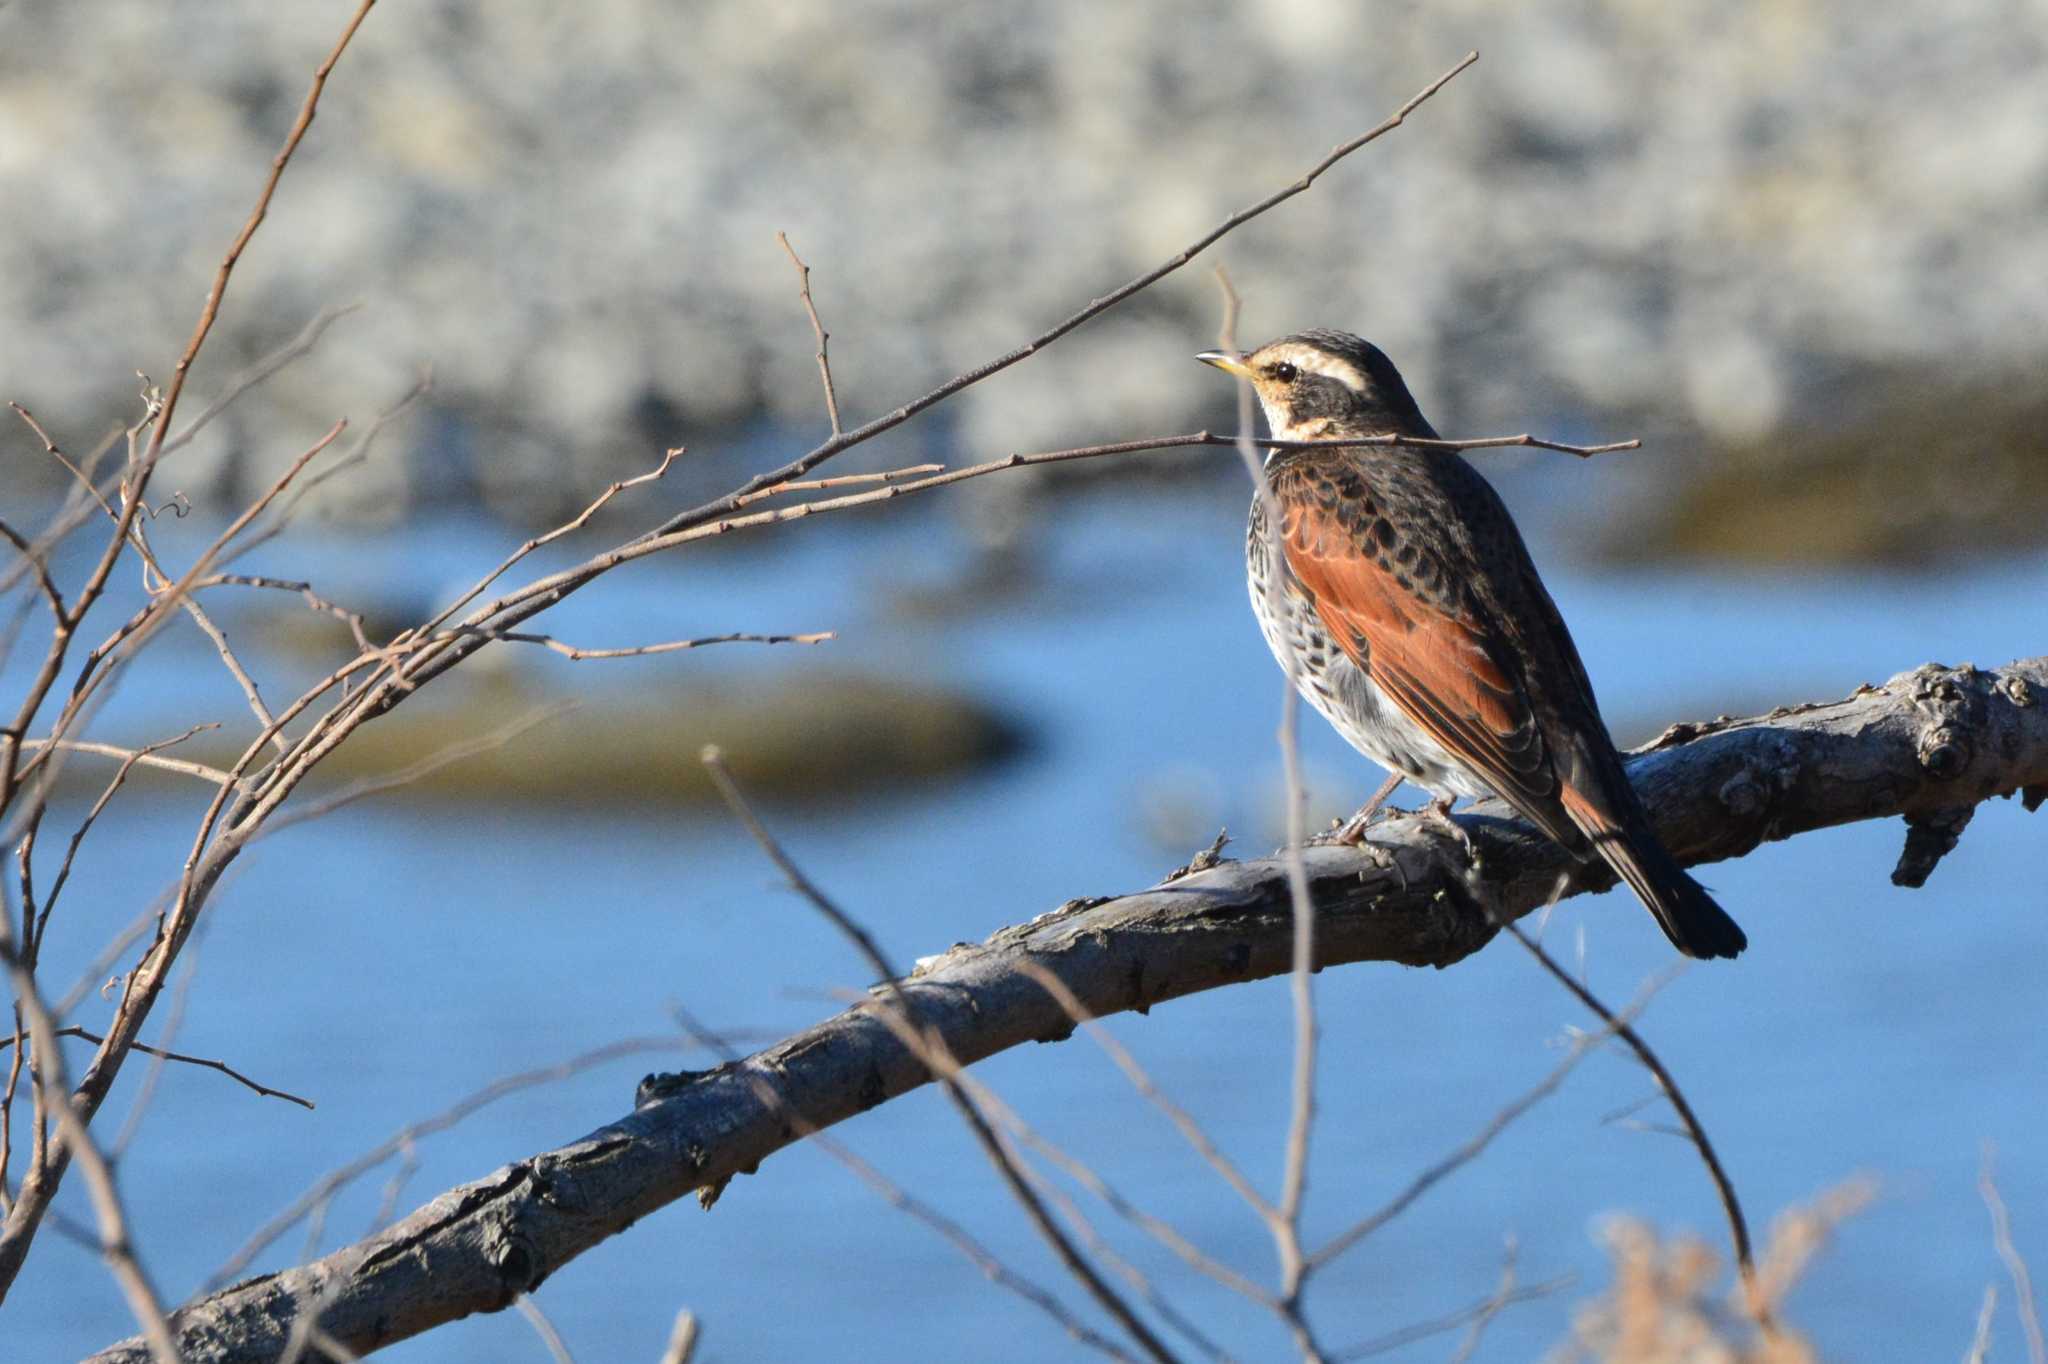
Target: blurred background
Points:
(1800, 249)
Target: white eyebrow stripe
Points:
(1310, 360)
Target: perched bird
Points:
(1419, 628)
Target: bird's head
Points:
(1324, 385)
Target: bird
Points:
(1418, 627)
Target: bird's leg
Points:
(1353, 831)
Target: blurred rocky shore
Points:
(1732, 227)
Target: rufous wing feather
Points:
(1428, 655)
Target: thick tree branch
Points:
(1932, 740)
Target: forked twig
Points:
(2015, 1263)
(524, 602)
(53, 1087)
(1470, 1150)
(798, 467)
(313, 600)
(573, 524)
(736, 520)
(32, 946)
(947, 1067)
(1731, 1205)
(977, 1122)
(1183, 1121)
(901, 1199)
(1474, 1317)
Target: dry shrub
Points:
(1667, 1304)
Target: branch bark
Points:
(1929, 742)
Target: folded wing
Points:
(1396, 609)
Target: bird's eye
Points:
(1284, 373)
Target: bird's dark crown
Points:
(1331, 383)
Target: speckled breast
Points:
(1341, 691)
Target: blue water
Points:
(392, 958)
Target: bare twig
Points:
(1505, 1117)
(139, 627)
(811, 485)
(798, 467)
(1508, 1292)
(356, 454)
(558, 1349)
(682, 1340)
(700, 529)
(573, 524)
(1731, 1205)
(53, 1085)
(2015, 1263)
(206, 1062)
(39, 565)
(95, 974)
(308, 337)
(389, 689)
(803, 275)
(32, 946)
(412, 772)
(78, 508)
(947, 1068)
(991, 1267)
(352, 619)
(1980, 1343)
(636, 651)
(1006, 1165)
(153, 1074)
(250, 693)
(1285, 1222)
(1094, 1183)
(1474, 1317)
(50, 447)
(141, 757)
(335, 1180)
(214, 294)
(1182, 1120)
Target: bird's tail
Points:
(1696, 925)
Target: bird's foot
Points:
(1438, 812)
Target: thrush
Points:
(1419, 628)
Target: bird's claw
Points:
(1438, 812)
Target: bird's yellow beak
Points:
(1229, 361)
